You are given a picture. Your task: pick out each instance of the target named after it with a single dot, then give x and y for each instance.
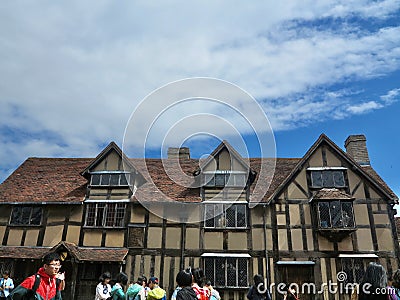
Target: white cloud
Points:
(391, 96)
(75, 71)
(364, 107)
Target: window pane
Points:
(90, 214)
(105, 179)
(114, 179)
(219, 179)
(316, 178)
(110, 215)
(220, 271)
(231, 216)
(327, 179)
(209, 180)
(338, 177)
(95, 179)
(209, 269)
(16, 215)
(347, 210)
(100, 214)
(231, 271)
(336, 214)
(324, 216)
(125, 178)
(242, 272)
(26, 215)
(241, 215)
(220, 221)
(120, 215)
(36, 216)
(209, 215)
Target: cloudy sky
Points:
(73, 72)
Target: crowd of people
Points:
(191, 285)
(48, 283)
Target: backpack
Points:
(31, 294)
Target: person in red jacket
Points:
(48, 288)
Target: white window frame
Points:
(120, 175)
(220, 221)
(103, 220)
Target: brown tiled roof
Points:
(330, 194)
(278, 169)
(80, 253)
(46, 180)
(160, 183)
(60, 180)
(23, 252)
(94, 254)
(371, 172)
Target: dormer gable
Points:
(110, 159)
(225, 167)
(325, 165)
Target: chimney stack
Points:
(181, 153)
(356, 147)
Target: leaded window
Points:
(328, 179)
(335, 214)
(26, 215)
(237, 179)
(105, 214)
(221, 215)
(110, 179)
(227, 272)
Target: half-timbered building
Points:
(300, 220)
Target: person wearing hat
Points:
(155, 293)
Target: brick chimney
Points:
(181, 153)
(356, 147)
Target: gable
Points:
(325, 155)
(225, 161)
(112, 161)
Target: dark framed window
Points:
(355, 269)
(225, 179)
(227, 272)
(335, 214)
(328, 179)
(223, 215)
(26, 215)
(105, 214)
(110, 179)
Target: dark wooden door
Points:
(298, 274)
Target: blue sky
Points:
(73, 72)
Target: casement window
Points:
(355, 267)
(329, 178)
(335, 214)
(224, 178)
(26, 215)
(110, 179)
(221, 215)
(227, 272)
(105, 214)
